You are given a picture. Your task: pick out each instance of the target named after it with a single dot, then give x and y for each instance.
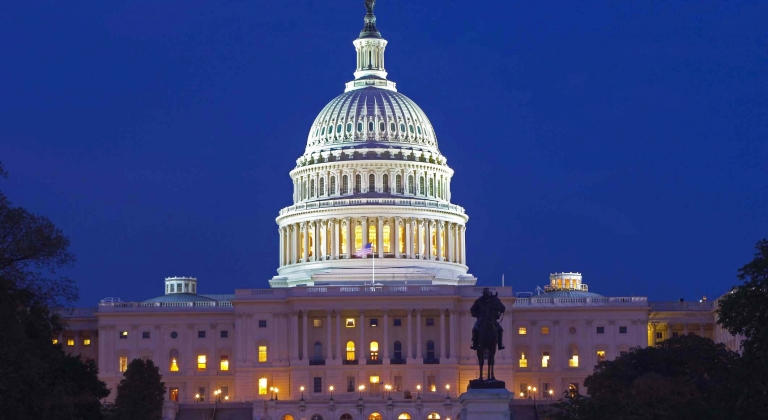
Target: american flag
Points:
(366, 250)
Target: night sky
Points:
(625, 140)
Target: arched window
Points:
(358, 237)
(338, 129)
(332, 191)
(398, 184)
(345, 185)
(349, 127)
(421, 185)
(304, 189)
(431, 187)
(381, 126)
(358, 184)
(385, 233)
(433, 416)
(411, 186)
(346, 416)
(322, 187)
(330, 130)
(410, 128)
(322, 133)
(385, 181)
(312, 189)
(287, 417)
(398, 350)
(402, 127)
(370, 126)
(350, 350)
(372, 238)
(404, 416)
(318, 351)
(374, 416)
(418, 129)
(392, 127)
(371, 183)
(374, 350)
(173, 359)
(440, 189)
(430, 350)
(317, 417)
(360, 126)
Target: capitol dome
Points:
(371, 117)
(371, 192)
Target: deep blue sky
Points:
(625, 140)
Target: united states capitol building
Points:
(382, 336)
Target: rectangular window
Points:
(87, 342)
(262, 354)
(659, 335)
(397, 322)
(317, 323)
(262, 323)
(350, 384)
(432, 383)
(174, 394)
(545, 388)
(524, 388)
(145, 335)
(522, 331)
(622, 353)
(430, 322)
(374, 379)
(601, 355)
(224, 363)
(350, 323)
(201, 362)
(317, 383)
(262, 386)
(70, 342)
(545, 359)
(374, 322)
(398, 384)
(573, 361)
(544, 330)
(201, 393)
(601, 330)
(523, 362)
(224, 334)
(622, 330)
(675, 334)
(573, 389)
(123, 362)
(55, 341)
(123, 335)
(201, 334)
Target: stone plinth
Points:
(485, 404)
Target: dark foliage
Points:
(140, 393)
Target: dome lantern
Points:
(370, 48)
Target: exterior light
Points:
(529, 387)
(226, 398)
(330, 388)
(447, 389)
(521, 394)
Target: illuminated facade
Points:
(329, 340)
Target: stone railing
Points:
(406, 202)
(352, 291)
(681, 306)
(163, 306)
(589, 301)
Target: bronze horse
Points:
(487, 341)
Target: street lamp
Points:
(418, 391)
(226, 398)
(551, 392)
(197, 398)
(330, 388)
(361, 388)
(275, 393)
(217, 395)
(534, 395)
(388, 387)
(522, 394)
(447, 389)
(301, 388)
(271, 393)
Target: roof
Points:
(568, 294)
(181, 297)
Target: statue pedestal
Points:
(485, 404)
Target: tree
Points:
(140, 393)
(37, 379)
(688, 377)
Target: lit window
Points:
(317, 323)
(404, 416)
(123, 361)
(358, 237)
(522, 331)
(523, 361)
(350, 323)
(432, 383)
(55, 341)
(372, 234)
(262, 354)
(544, 330)
(433, 416)
(374, 350)
(224, 363)
(350, 350)
(374, 379)
(87, 342)
(573, 361)
(386, 237)
(174, 365)
(545, 359)
(123, 335)
(201, 361)
(600, 355)
(262, 386)
(70, 342)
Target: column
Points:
(280, 231)
(328, 345)
(439, 240)
(334, 240)
(652, 341)
(316, 238)
(396, 235)
(379, 235)
(428, 234)
(419, 238)
(295, 327)
(305, 229)
(442, 333)
(338, 337)
(452, 334)
(409, 344)
(364, 226)
(449, 237)
(419, 356)
(350, 238)
(463, 245)
(361, 353)
(408, 238)
(386, 337)
(304, 336)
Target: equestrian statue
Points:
(487, 336)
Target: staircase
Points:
(523, 412)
